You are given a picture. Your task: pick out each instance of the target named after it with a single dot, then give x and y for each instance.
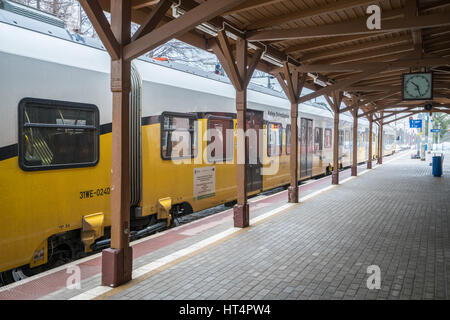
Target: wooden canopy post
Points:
(355, 142)
(241, 212)
(380, 142)
(369, 161)
(117, 261)
(116, 37)
(335, 174)
(292, 83)
(240, 73)
(335, 104)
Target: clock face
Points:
(418, 86)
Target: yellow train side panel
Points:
(38, 204)
(156, 172)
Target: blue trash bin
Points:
(437, 166)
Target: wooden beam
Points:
(290, 85)
(380, 45)
(379, 108)
(326, 42)
(230, 60)
(283, 85)
(357, 26)
(253, 64)
(153, 19)
(372, 99)
(394, 113)
(435, 5)
(341, 85)
(308, 13)
(349, 67)
(367, 88)
(402, 117)
(229, 67)
(188, 21)
(138, 4)
(249, 5)
(101, 26)
(394, 51)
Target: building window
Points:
(57, 134)
(288, 139)
(274, 139)
(178, 136)
(328, 138)
(220, 146)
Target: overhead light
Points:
(208, 29)
(177, 11)
(272, 59)
(318, 81)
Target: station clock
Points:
(418, 86)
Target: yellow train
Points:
(55, 144)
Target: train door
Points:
(306, 147)
(135, 137)
(254, 177)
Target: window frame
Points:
(325, 145)
(53, 104)
(341, 139)
(161, 126)
(288, 136)
(225, 158)
(321, 138)
(281, 139)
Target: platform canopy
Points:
(329, 40)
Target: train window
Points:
(274, 139)
(57, 134)
(318, 139)
(178, 136)
(328, 138)
(341, 137)
(288, 139)
(220, 139)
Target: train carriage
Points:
(55, 143)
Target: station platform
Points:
(395, 217)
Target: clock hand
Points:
(417, 87)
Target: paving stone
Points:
(396, 217)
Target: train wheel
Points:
(61, 256)
(13, 275)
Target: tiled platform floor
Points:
(395, 217)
